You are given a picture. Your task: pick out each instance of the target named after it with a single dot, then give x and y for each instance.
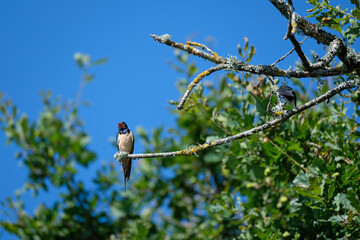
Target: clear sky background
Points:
(38, 40)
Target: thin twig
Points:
(197, 80)
(285, 56)
(287, 155)
(219, 125)
(195, 149)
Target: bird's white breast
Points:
(125, 142)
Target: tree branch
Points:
(187, 48)
(290, 34)
(334, 46)
(203, 46)
(346, 54)
(329, 56)
(237, 65)
(301, 54)
(195, 149)
(197, 80)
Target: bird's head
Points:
(123, 128)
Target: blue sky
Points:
(39, 38)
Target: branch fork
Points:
(336, 47)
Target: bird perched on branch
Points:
(287, 93)
(125, 142)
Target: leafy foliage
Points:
(342, 20)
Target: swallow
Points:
(125, 142)
(287, 93)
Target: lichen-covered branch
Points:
(301, 54)
(350, 59)
(237, 65)
(329, 56)
(290, 35)
(195, 149)
(203, 46)
(197, 80)
(334, 45)
(308, 28)
(188, 48)
(346, 54)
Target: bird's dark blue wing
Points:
(117, 134)
(286, 91)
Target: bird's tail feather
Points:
(126, 163)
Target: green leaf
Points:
(338, 219)
(88, 78)
(212, 158)
(294, 146)
(353, 31)
(81, 59)
(302, 180)
(100, 61)
(341, 200)
(309, 186)
(356, 13)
